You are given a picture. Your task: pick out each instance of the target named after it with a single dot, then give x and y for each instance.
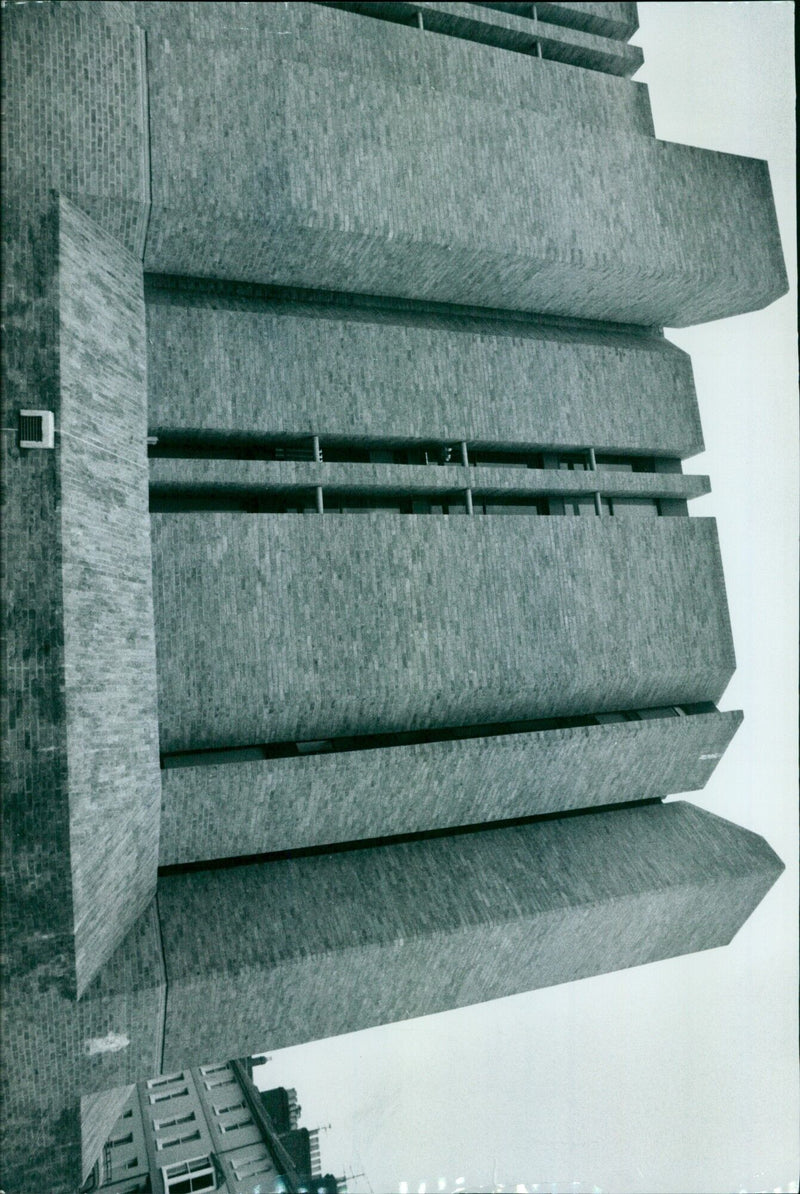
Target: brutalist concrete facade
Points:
(321, 253)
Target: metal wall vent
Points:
(36, 429)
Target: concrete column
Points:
(320, 506)
(468, 498)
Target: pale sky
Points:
(680, 1076)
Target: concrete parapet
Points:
(293, 803)
(257, 615)
(334, 943)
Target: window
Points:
(226, 1107)
(573, 461)
(166, 1080)
(216, 1080)
(214, 1069)
(178, 1138)
(120, 1140)
(174, 1122)
(186, 1177)
(251, 1166)
(244, 1121)
(180, 1092)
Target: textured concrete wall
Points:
(109, 649)
(288, 627)
(70, 319)
(369, 184)
(309, 34)
(335, 943)
(74, 102)
(250, 364)
(284, 804)
(394, 190)
(56, 1050)
(37, 922)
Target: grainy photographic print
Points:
(399, 568)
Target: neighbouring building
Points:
(209, 1128)
(355, 621)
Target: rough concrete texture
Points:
(58, 1051)
(239, 364)
(330, 944)
(82, 132)
(361, 178)
(290, 803)
(109, 647)
(310, 34)
(76, 868)
(436, 621)
(356, 183)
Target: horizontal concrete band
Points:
(335, 943)
(239, 360)
(268, 805)
(286, 476)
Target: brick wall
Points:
(74, 101)
(309, 34)
(81, 798)
(335, 943)
(109, 649)
(247, 364)
(289, 627)
(283, 804)
(371, 183)
(56, 1050)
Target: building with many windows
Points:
(357, 624)
(209, 1128)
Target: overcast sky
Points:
(680, 1076)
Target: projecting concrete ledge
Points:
(180, 475)
(323, 945)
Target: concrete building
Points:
(364, 518)
(209, 1128)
